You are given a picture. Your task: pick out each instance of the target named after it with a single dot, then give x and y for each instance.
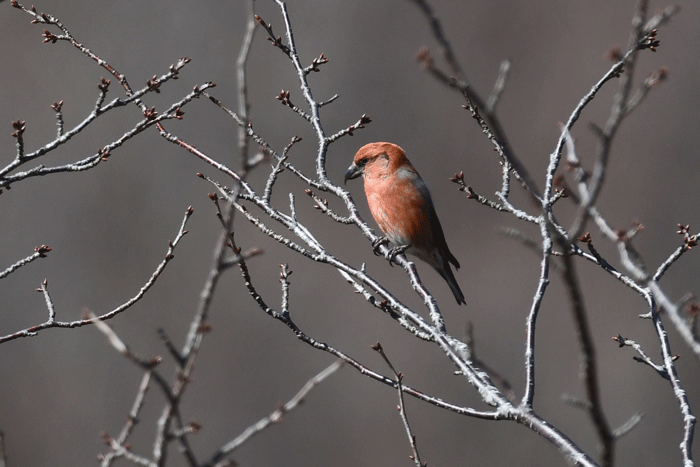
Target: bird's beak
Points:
(353, 172)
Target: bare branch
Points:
(275, 417)
(39, 252)
(402, 407)
(498, 87)
(587, 358)
(51, 323)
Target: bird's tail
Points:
(446, 273)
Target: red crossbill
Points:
(401, 205)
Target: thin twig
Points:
(275, 417)
(498, 87)
(587, 358)
(39, 252)
(52, 323)
(402, 407)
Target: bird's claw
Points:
(377, 243)
(397, 250)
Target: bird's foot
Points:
(377, 243)
(397, 250)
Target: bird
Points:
(401, 205)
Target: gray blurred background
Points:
(109, 229)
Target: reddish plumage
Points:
(401, 205)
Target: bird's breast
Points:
(402, 208)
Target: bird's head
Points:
(377, 159)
